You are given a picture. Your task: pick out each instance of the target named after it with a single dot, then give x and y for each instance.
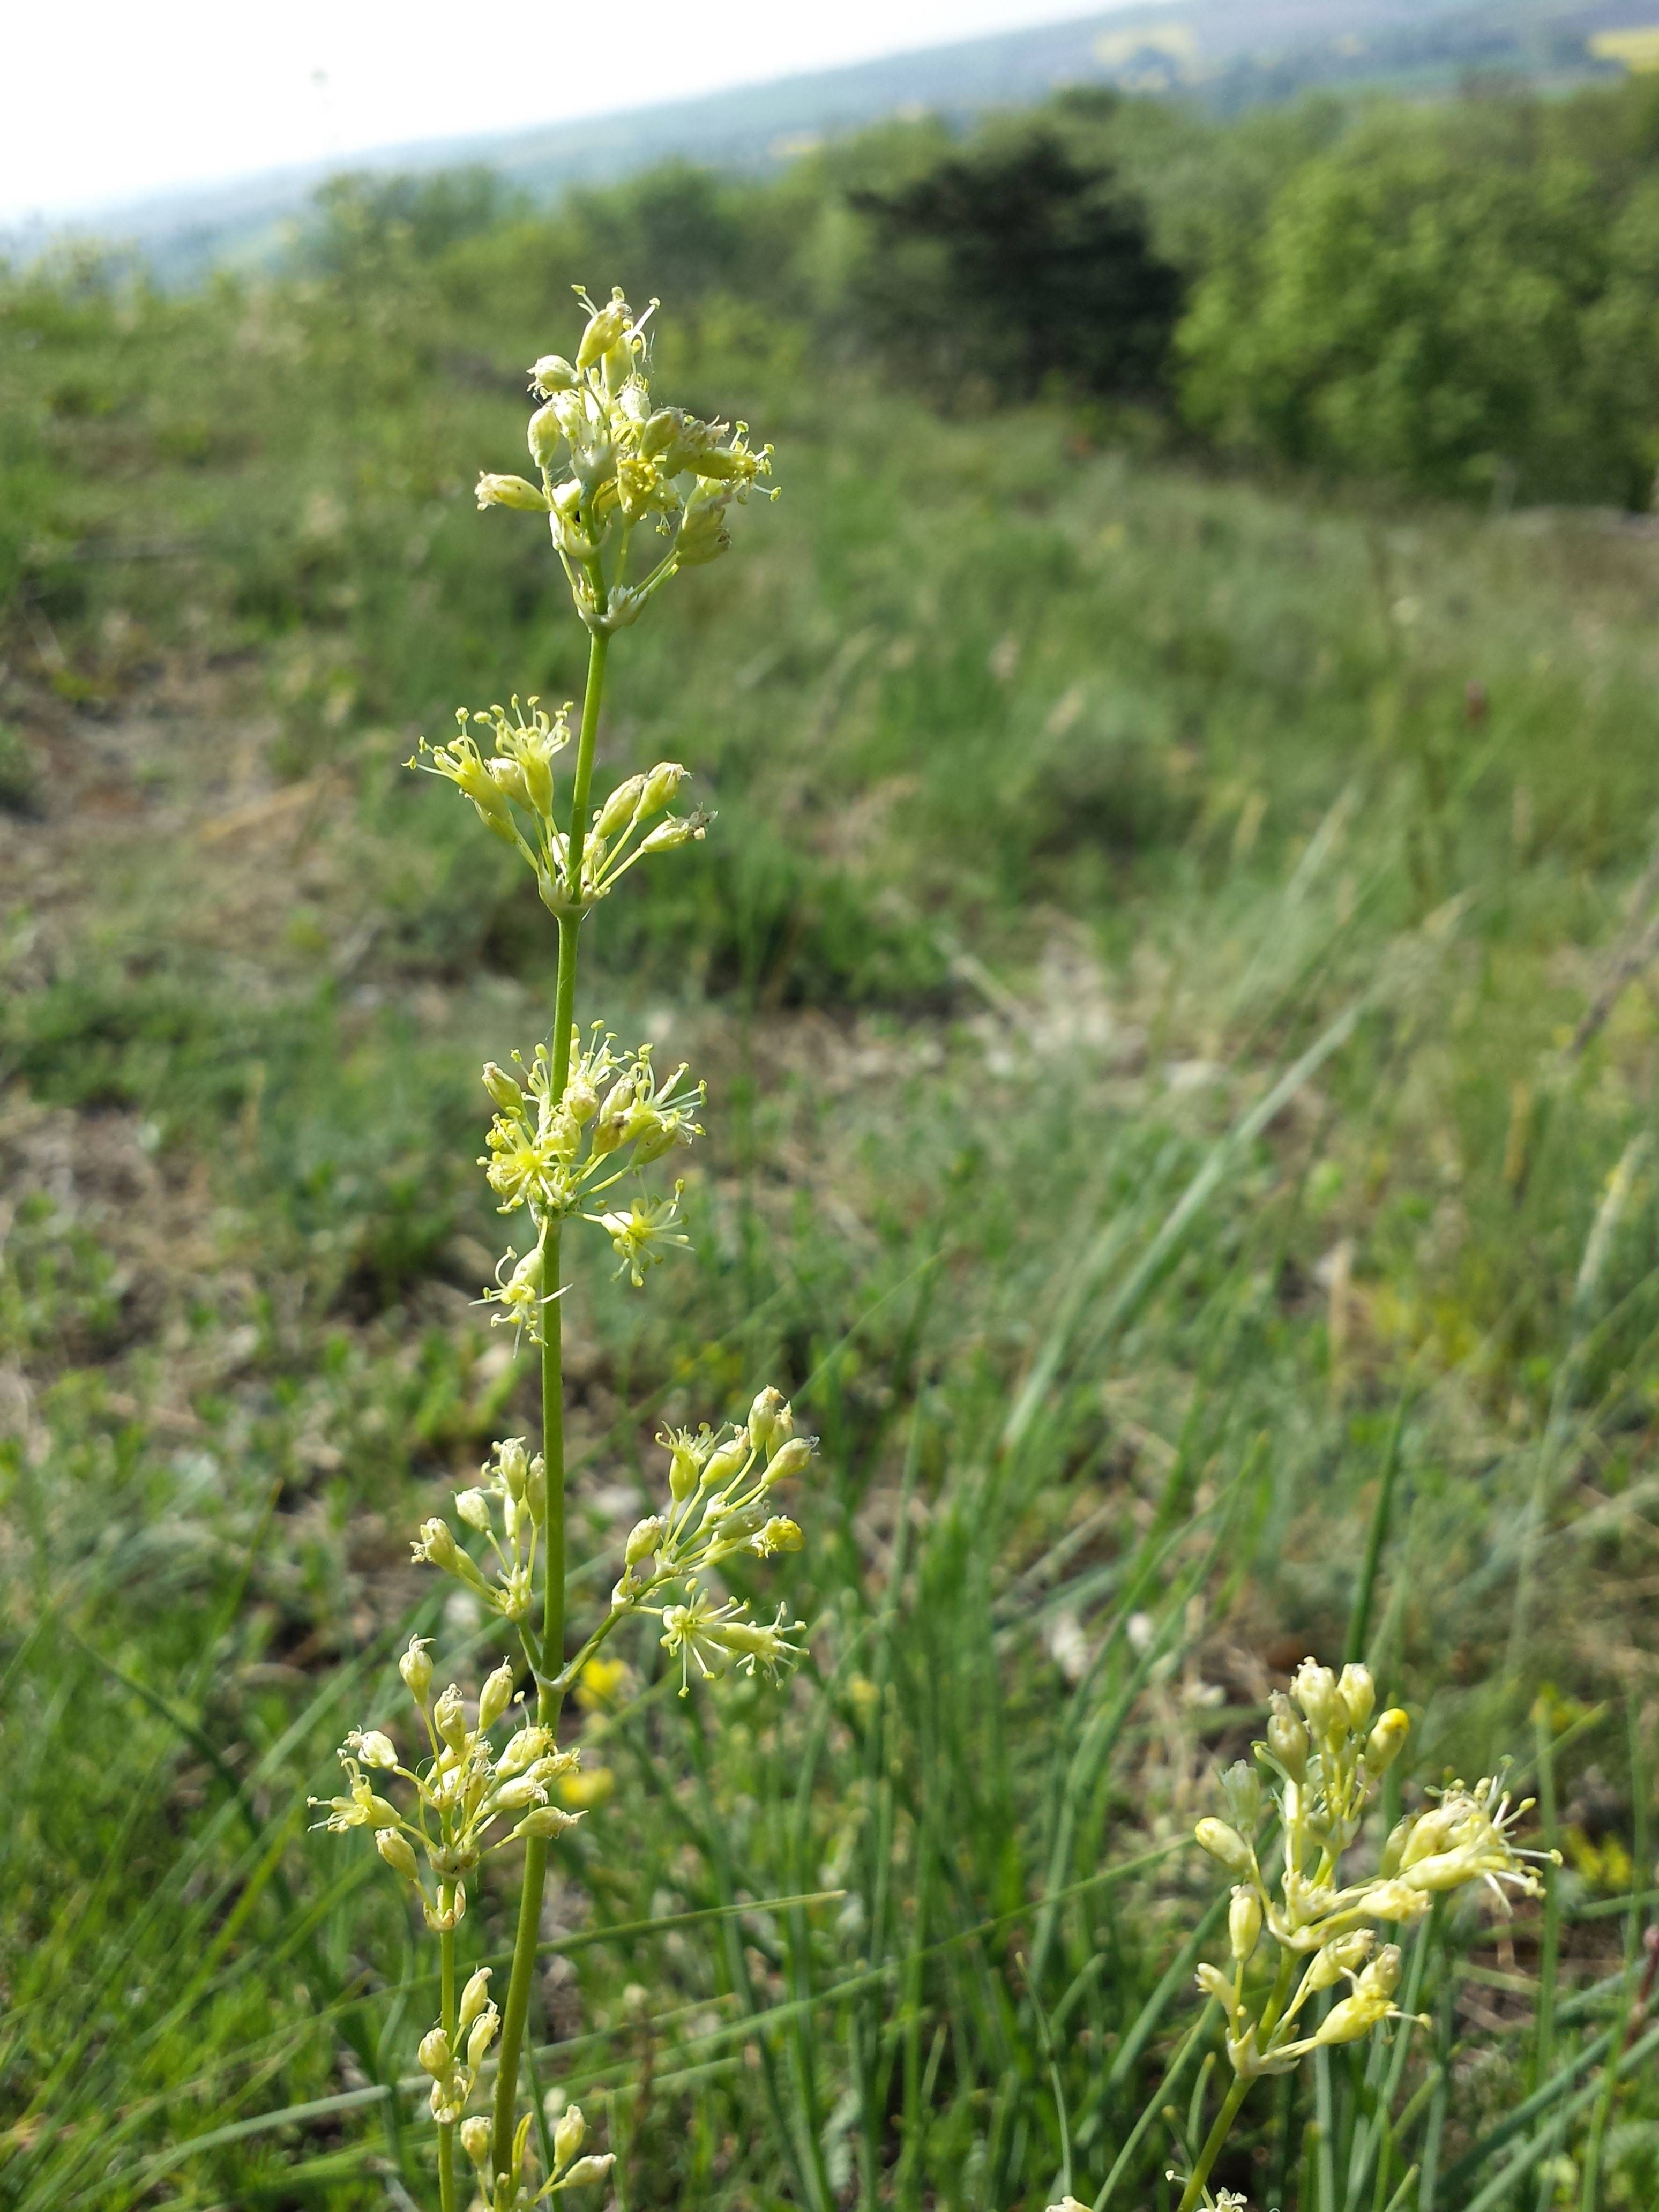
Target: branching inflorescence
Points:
(632, 494)
(1316, 1770)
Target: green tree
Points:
(1445, 300)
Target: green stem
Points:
(549, 1699)
(1217, 2136)
(447, 2014)
(1271, 2012)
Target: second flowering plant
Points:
(632, 493)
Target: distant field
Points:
(1173, 966)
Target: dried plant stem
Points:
(550, 1699)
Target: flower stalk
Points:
(576, 1121)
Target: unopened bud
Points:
(643, 1539)
(449, 1718)
(474, 1998)
(434, 2053)
(618, 809)
(415, 1667)
(503, 1090)
(1358, 1694)
(395, 1849)
(473, 1508)
(546, 1820)
(587, 2170)
(483, 2035)
(1244, 1922)
(1345, 1955)
(683, 1470)
(512, 491)
(605, 326)
(1384, 1743)
(770, 1422)
(495, 1696)
(568, 2136)
(581, 1102)
(1225, 1845)
(1394, 1850)
(375, 1749)
(730, 1459)
(535, 1489)
(791, 1458)
(437, 1544)
(545, 434)
(551, 373)
(513, 1465)
(475, 2139)
(1314, 1688)
(675, 830)
(660, 786)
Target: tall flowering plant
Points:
(632, 493)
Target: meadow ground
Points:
(1172, 971)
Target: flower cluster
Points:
(460, 1794)
(1323, 1755)
(514, 792)
(512, 2191)
(511, 1489)
(611, 461)
(553, 1152)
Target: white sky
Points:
(104, 100)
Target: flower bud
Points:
(1346, 1954)
(730, 1459)
(1244, 1922)
(568, 2136)
(1225, 1845)
(643, 1539)
(660, 786)
(1243, 1796)
(415, 1667)
(676, 830)
(1385, 1739)
(474, 1998)
(587, 2170)
(551, 373)
(434, 2053)
(770, 1421)
(483, 2035)
(1358, 1694)
(449, 1718)
(546, 1820)
(1214, 1982)
(503, 1090)
(521, 1750)
(512, 491)
(791, 1458)
(683, 1473)
(375, 1749)
(606, 327)
(1314, 1688)
(1393, 1850)
(495, 1696)
(395, 1849)
(535, 1489)
(618, 809)
(545, 434)
(475, 2139)
(473, 1507)
(437, 1544)
(511, 1464)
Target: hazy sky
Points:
(105, 100)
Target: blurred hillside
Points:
(1226, 56)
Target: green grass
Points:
(1138, 992)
